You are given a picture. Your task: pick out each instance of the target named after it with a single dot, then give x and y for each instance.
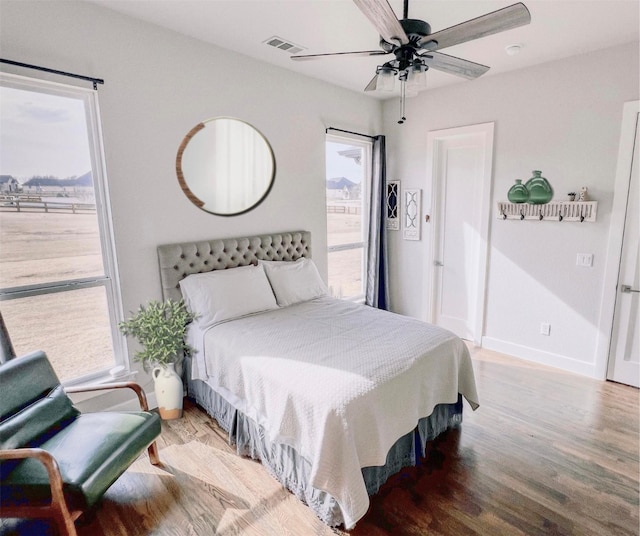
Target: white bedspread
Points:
(339, 382)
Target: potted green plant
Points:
(160, 328)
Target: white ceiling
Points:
(559, 28)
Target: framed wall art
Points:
(393, 205)
(411, 215)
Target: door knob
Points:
(627, 289)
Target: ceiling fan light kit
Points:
(415, 47)
(414, 76)
(418, 75)
(385, 78)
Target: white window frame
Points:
(110, 281)
(367, 160)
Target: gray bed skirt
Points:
(292, 470)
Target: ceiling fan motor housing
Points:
(415, 30)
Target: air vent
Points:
(283, 44)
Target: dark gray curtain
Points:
(377, 288)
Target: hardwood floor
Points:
(547, 452)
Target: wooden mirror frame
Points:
(197, 201)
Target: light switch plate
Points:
(584, 259)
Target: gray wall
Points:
(563, 118)
(158, 85)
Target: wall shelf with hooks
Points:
(553, 211)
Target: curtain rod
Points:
(349, 132)
(95, 81)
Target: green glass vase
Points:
(540, 191)
(518, 193)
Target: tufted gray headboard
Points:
(177, 261)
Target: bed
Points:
(332, 397)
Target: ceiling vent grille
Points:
(283, 44)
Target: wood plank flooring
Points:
(547, 452)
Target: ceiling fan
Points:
(415, 48)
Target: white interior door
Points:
(461, 164)
(624, 352)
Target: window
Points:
(348, 165)
(58, 284)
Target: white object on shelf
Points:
(552, 211)
(584, 194)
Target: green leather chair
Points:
(55, 461)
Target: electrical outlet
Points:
(584, 259)
(545, 328)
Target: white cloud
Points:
(42, 134)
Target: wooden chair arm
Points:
(58, 508)
(142, 398)
(50, 464)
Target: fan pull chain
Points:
(403, 86)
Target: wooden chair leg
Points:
(65, 523)
(154, 456)
(63, 517)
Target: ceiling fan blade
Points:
(452, 65)
(383, 18)
(489, 24)
(362, 53)
(371, 86)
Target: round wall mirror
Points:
(225, 166)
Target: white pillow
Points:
(293, 282)
(225, 294)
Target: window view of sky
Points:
(42, 134)
(340, 166)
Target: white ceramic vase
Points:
(169, 392)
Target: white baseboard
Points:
(540, 356)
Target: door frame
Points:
(630, 117)
(434, 140)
